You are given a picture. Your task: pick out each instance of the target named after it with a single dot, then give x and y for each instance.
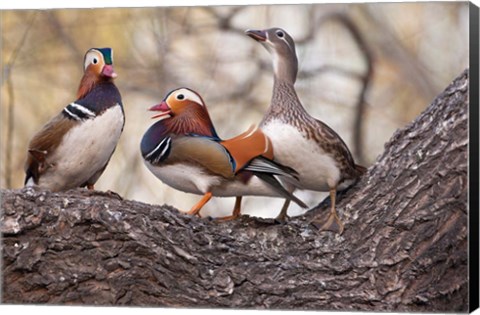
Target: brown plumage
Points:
(287, 108)
(44, 142)
(83, 133)
(313, 149)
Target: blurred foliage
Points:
(416, 49)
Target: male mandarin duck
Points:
(184, 151)
(309, 146)
(74, 147)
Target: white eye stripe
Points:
(91, 57)
(189, 95)
(283, 37)
(288, 44)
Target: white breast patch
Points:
(84, 150)
(317, 170)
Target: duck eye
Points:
(95, 61)
(180, 97)
(280, 34)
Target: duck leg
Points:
(333, 223)
(91, 182)
(236, 210)
(282, 216)
(199, 205)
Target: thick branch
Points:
(404, 247)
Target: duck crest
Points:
(193, 120)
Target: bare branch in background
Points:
(410, 67)
(310, 73)
(224, 22)
(11, 104)
(10, 129)
(365, 80)
(59, 29)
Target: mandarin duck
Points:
(184, 151)
(318, 154)
(74, 147)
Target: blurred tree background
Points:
(364, 69)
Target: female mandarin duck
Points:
(184, 151)
(309, 146)
(74, 147)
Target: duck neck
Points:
(193, 121)
(285, 101)
(89, 82)
(285, 104)
(285, 68)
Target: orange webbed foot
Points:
(197, 207)
(235, 213)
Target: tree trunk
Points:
(404, 247)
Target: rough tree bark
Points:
(404, 247)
